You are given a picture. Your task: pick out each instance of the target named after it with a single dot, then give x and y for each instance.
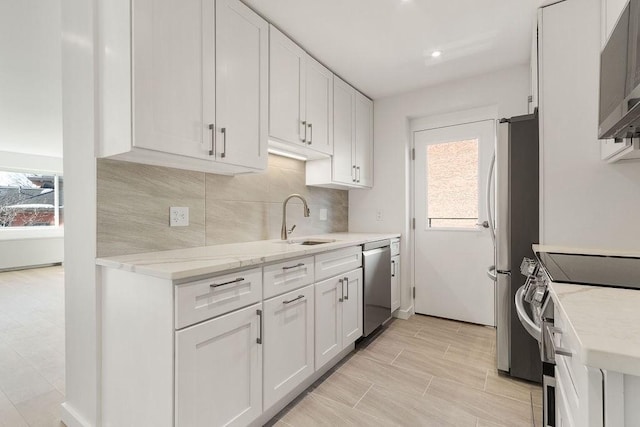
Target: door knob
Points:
(484, 224)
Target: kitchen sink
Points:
(309, 242)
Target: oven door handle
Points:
(529, 325)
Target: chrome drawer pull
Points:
(293, 300)
(552, 330)
(341, 281)
(346, 279)
(238, 280)
(301, 264)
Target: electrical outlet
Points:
(178, 216)
(323, 214)
(378, 215)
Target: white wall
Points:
(82, 328)
(30, 78)
(508, 89)
(586, 202)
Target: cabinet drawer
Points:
(337, 262)
(395, 247)
(287, 276)
(575, 372)
(204, 299)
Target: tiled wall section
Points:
(134, 201)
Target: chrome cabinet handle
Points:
(484, 224)
(358, 173)
(353, 174)
(310, 133)
(551, 331)
(301, 264)
(346, 279)
(224, 142)
(341, 299)
(304, 124)
(393, 271)
(238, 280)
(293, 300)
(212, 151)
(259, 339)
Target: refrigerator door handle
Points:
(492, 228)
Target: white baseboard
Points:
(404, 314)
(71, 418)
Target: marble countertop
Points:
(605, 320)
(180, 264)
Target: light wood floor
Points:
(420, 372)
(31, 347)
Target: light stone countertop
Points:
(605, 320)
(180, 264)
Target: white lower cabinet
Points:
(288, 343)
(395, 283)
(218, 370)
(338, 315)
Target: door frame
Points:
(431, 122)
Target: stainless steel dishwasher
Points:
(376, 257)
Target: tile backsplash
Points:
(134, 201)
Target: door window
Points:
(452, 184)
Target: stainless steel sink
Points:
(308, 242)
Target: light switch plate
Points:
(323, 214)
(178, 216)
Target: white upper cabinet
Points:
(352, 163)
(364, 141)
(242, 58)
(286, 89)
(300, 99)
(184, 84)
(319, 106)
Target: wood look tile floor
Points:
(31, 347)
(424, 371)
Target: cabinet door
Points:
(328, 324)
(286, 89)
(241, 85)
(364, 141)
(352, 307)
(395, 283)
(319, 111)
(343, 132)
(173, 80)
(219, 371)
(288, 343)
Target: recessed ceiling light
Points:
(436, 53)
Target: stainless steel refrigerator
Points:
(516, 228)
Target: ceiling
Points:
(383, 47)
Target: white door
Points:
(352, 307)
(242, 66)
(288, 343)
(219, 371)
(319, 111)
(173, 82)
(328, 324)
(364, 141)
(286, 89)
(343, 163)
(451, 249)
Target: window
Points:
(452, 184)
(30, 200)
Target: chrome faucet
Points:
(284, 234)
